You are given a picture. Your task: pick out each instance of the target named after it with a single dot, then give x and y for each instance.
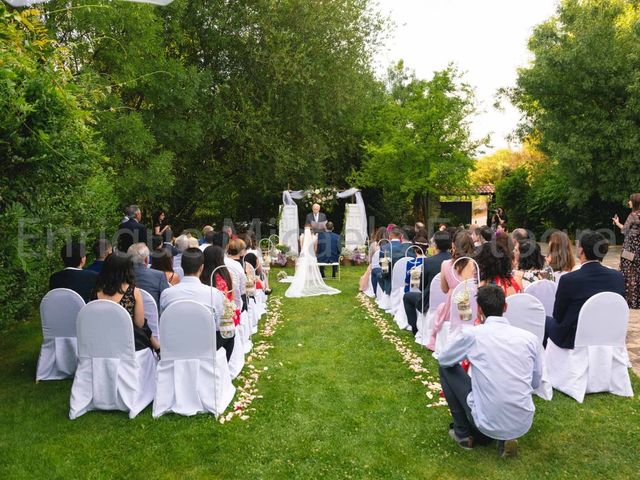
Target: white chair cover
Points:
(111, 375)
(236, 361)
(151, 313)
(425, 320)
(398, 277)
(58, 354)
(599, 360)
(527, 312)
(244, 330)
(545, 291)
(192, 377)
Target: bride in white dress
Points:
(307, 281)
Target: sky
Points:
(485, 39)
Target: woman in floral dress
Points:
(630, 259)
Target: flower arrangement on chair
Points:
(227, 326)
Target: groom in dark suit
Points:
(315, 217)
(328, 248)
(575, 288)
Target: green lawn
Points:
(337, 403)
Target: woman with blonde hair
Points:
(630, 257)
(560, 258)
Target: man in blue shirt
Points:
(495, 403)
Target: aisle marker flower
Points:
(409, 357)
(249, 377)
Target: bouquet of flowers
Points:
(227, 327)
(322, 196)
(282, 276)
(250, 286)
(359, 255)
(415, 277)
(464, 305)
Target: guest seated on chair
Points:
(164, 263)
(73, 277)
(495, 267)
(415, 301)
(575, 288)
(101, 249)
(191, 288)
(374, 272)
(395, 250)
(560, 257)
(328, 249)
(530, 263)
(117, 283)
(495, 402)
(153, 281)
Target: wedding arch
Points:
(355, 224)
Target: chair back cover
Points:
(58, 354)
(150, 312)
(455, 323)
(399, 273)
(545, 291)
(375, 260)
(111, 374)
(603, 321)
(105, 331)
(436, 295)
(59, 310)
(527, 312)
(187, 331)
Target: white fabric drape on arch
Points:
(355, 235)
(288, 228)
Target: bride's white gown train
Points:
(307, 281)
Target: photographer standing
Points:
(630, 257)
(499, 219)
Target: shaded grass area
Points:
(338, 403)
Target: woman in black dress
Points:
(630, 258)
(161, 227)
(117, 283)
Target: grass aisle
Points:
(337, 403)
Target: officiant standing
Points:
(316, 218)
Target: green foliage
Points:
(492, 168)
(215, 107)
(422, 147)
(580, 98)
(512, 191)
(51, 183)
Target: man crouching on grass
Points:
(495, 403)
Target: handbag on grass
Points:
(627, 255)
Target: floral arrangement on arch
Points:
(325, 197)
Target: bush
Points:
(52, 185)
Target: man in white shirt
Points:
(191, 288)
(495, 403)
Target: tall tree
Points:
(422, 147)
(52, 184)
(580, 99)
